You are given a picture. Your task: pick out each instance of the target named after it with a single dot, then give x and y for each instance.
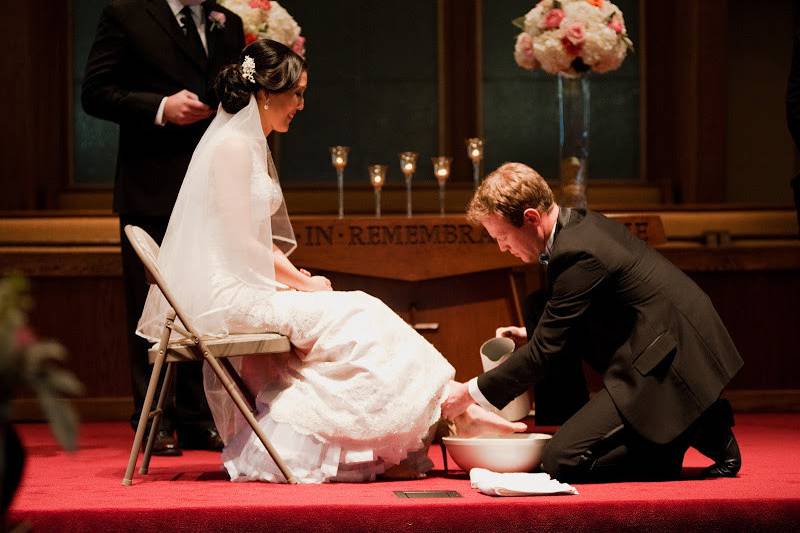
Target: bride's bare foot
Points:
(478, 422)
(413, 466)
(401, 472)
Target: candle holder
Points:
(408, 165)
(441, 171)
(475, 153)
(339, 161)
(377, 176)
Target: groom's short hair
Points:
(508, 192)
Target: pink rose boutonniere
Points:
(217, 20)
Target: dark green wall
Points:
(95, 152)
(520, 109)
(372, 86)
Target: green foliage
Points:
(28, 362)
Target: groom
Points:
(151, 70)
(663, 351)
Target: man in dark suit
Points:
(662, 350)
(151, 70)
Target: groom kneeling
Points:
(654, 335)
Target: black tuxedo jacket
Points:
(139, 56)
(663, 351)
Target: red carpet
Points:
(82, 492)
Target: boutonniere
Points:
(217, 20)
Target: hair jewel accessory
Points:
(248, 69)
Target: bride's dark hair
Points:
(277, 70)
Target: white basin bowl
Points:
(520, 452)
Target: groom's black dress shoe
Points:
(165, 444)
(715, 440)
(201, 439)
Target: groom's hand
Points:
(457, 401)
(184, 107)
(515, 333)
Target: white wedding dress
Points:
(361, 390)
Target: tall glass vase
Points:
(573, 153)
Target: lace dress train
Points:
(360, 392)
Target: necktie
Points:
(190, 30)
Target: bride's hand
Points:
(457, 401)
(317, 283)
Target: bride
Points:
(361, 392)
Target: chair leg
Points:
(243, 408)
(143, 418)
(165, 389)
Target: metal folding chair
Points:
(192, 347)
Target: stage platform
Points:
(83, 492)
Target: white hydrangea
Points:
(533, 19)
(282, 27)
(253, 19)
(274, 23)
(604, 51)
(596, 30)
(549, 52)
(581, 10)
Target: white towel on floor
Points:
(516, 483)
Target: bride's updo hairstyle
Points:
(277, 70)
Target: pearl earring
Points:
(266, 105)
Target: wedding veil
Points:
(220, 226)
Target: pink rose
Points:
(573, 38)
(523, 52)
(553, 18)
(575, 34)
(299, 45)
(260, 4)
(616, 24)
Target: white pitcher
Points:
(494, 352)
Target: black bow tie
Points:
(544, 259)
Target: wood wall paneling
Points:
(460, 79)
(34, 75)
(686, 98)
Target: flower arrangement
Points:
(27, 361)
(571, 37)
(267, 19)
(36, 365)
